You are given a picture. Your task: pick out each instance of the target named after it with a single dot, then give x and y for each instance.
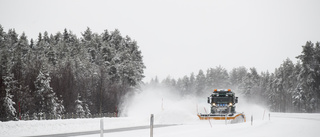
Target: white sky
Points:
(178, 37)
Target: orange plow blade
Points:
(239, 117)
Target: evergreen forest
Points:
(292, 87)
(61, 73)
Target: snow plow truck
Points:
(223, 107)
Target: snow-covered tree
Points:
(45, 98)
(217, 78)
(8, 84)
(80, 112)
(200, 83)
(310, 75)
(285, 79)
(8, 111)
(169, 83)
(60, 110)
(237, 76)
(185, 85)
(87, 110)
(250, 85)
(192, 82)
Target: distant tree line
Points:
(61, 73)
(293, 87)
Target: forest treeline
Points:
(62, 73)
(292, 87)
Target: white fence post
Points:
(269, 116)
(101, 127)
(226, 118)
(263, 114)
(151, 125)
(251, 120)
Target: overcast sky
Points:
(178, 37)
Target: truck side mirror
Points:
(236, 101)
(209, 100)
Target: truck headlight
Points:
(230, 104)
(213, 104)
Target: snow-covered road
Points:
(280, 124)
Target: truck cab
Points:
(222, 102)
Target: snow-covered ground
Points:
(169, 108)
(300, 125)
(280, 124)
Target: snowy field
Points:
(172, 109)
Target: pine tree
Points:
(12, 38)
(19, 68)
(251, 84)
(79, 109)
(200, 83)
(192, 87)
(217, 78)
(297, 97)
(285, 84)
(87, 110)
(60, 110)
(8, 85)
(45, 99)
(31, 44)
(87, 35)
(271, 94)
(310, 75)
(185, 86)
(2, 37)
(237, 75)
(8, 111)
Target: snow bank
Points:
(45, 127)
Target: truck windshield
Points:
(222, 99)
